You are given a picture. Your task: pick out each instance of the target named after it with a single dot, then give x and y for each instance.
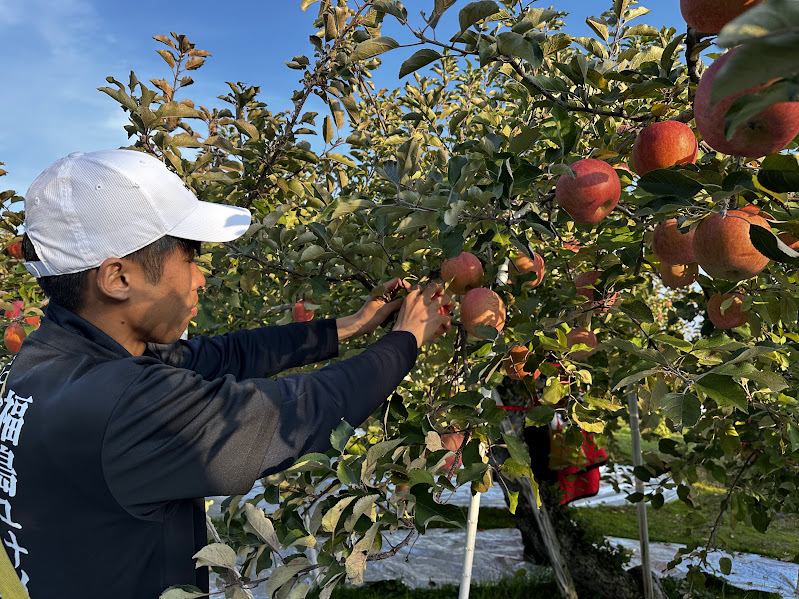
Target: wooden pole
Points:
(643, 528)
(471, 535)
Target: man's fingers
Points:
(432, 290)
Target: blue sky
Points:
(56, 53)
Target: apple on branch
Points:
(463, 272)
(523, 264)
(301, 313)
(592, 194)
(581, 336)
(723, 248)
(672, 246)
(732, 317)
(710, 16)
(764, 133)
(481, 306)
(664, 144)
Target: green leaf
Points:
(373, 47)
(340, 436)
(634, 378)
(539, 415)
(725, 565)
(723, 390)
(418, 60)
(756, 63)
(311, 253)
(258, 523)
(638, 310)
(475, 12)
(333, 515)
(216, 554)
(392, 7)
(642, 29)
(770, 19)
(771, 246)
(683, 409)
(779, 173)
(599, 25)
(517, 449)
(665, 182)
(745, 370)
(356, 561)
(182, 592)
(514, 44)
(524, 140)
(283, 574)
(427, 510)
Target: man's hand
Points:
(373, 312)
(425, 313)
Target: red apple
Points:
(678, 275)
(733, 316)
(524, 264)
(723, 249)
(18, 305)
(580, 335)
(15, 250)
(453, 442)
(300, 313)
(664, 144)
(765, 133)
(585, 286)
(592, 194)
(710, 16)
(13, 337)
(464, 271)
(670, 245)
(481, 306)
(514, 362)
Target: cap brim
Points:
(213, 222)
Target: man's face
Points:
(161, 312)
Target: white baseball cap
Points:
(88, 207)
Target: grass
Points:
(530, 585)
(671, 522)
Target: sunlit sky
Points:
(56, 53)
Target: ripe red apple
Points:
(15, 250)
(723, 249)
(670, 245)
(710, 16)
(664, 144)
(464, 271)
(592, 194)
(481, 306)
(514, 362)
(765, 133)
(13, 337)
(579, 335)
(453, 442)
(300, 314)
(524, 264)
(733, 316)
(585, 286)
(34, 320)
(18, 305)
(678, 275)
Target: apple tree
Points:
(520, 145)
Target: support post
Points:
(471, 535)
(643, 528)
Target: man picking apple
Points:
(127, 427)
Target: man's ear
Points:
(113, 279)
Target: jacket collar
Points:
(65, 329)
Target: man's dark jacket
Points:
(113, 453)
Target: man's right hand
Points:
(425, 313)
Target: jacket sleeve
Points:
(314, 404)
(253, 353)
(174, 435)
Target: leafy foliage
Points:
(465, 157)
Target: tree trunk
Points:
(595, 566)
